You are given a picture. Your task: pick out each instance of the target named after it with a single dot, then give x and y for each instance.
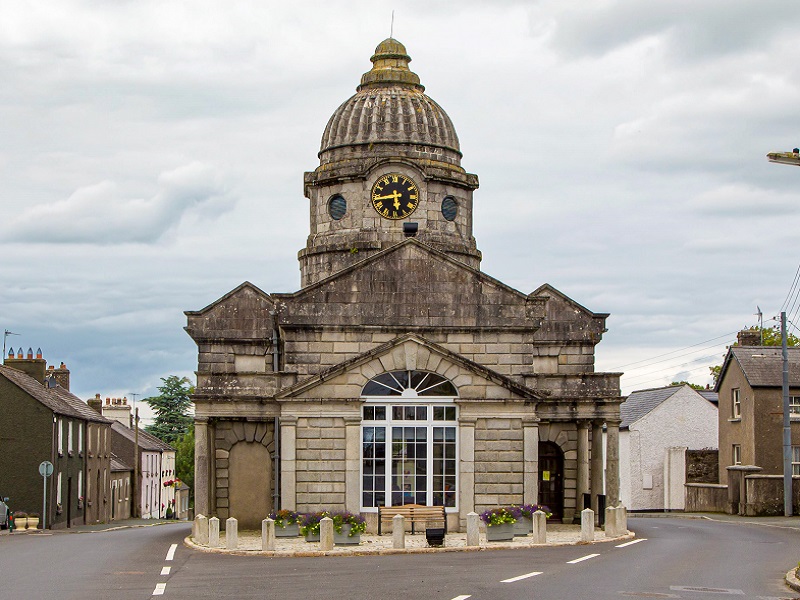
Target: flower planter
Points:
(523, 526)
(344, 538)
(33, 522)
(500, 533)
(311, 537)
(292, 530)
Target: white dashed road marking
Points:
(171, 553)
(631, 543)
(165, 570)
(513, 579)
(462, 597)
(581, 559)
(160, 588)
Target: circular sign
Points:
(45, 468)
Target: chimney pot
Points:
(97, 396)
(19, 352)
(30, 352)
(11, 353)
(38, 353)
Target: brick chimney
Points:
(96, 403)
(62, 376)
(35, 367)
(749, 337)
(117, 409)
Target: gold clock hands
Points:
(393, 196)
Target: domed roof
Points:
(391, 107)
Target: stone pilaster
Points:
(288, 462)
(612, 463)
(596, 475)
(583, 464)
(530, 458)
(202, 467)
(466, 495)
(352, 477)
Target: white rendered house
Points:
(658, 426)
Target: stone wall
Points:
(706, 497)
(498, 462)
(702, 466)
(320, 463)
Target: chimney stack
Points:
(34, 367)
(749, 337)
(96, 403)
(116, 409)
(62, 376)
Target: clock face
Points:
(395, 196)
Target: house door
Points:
(69, 501)
(113, 503)
(551, 478)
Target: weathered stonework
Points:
(376, 301)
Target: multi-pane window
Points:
(737, 454)
(409, 450)
(736, 404)
(795, 460)
(794, 406)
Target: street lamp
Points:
(785, 158)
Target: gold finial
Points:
(390, 66)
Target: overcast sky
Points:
(152, 158)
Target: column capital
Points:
(289, 421)
(467, 421)
(531, 421)
(201, 420)
(350, 421)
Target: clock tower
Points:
(390, 168)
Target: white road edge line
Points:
(513, 579)
(581, 559)
(171, 553)
(160, 588)
(165, 570)
(462, 597)
(631, 543)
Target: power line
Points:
(792, 289)
(673, 367)
(727, 335)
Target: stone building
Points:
(399, 372)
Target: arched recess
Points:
(244, 471)
(559, 442)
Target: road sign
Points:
(45, 468)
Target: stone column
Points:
(612, 463)
(202, 466)
(288, 435)
(596, 475)
(539, 527)
(467, 467)
(530, 458)
(352, 476)
(201, 530)
(583, 464)
(473, 529)
(213, 532)
(611, 524)
(398, 532)
(326, 534)
(231, 534)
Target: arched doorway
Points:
(249, 488)
(551, 478)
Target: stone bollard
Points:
(213, 532)
(611, 526)
(587, 525)
(231, 534)
(473, 529)
(539, 527)
(398, 532)
(622, 520)
(326, 534)
(201, 530)
(268, 534)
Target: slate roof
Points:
(638, 404)
(57, 399)
(146, 441)
(763, 365)
(118, 466)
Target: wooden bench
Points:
(413, 513)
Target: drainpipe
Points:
(276, 363)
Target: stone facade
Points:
(310, 382)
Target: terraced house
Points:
(399, 372)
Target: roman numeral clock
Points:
(395, 196)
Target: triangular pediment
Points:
(243, 313)
(412, 352)
(411, 284)
(567, 320)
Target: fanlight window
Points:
(409, 384)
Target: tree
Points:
(184, 459)
(171, 407)
(771, 337)
(694, 386)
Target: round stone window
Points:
(449, 208)
(337, 207)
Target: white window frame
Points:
(394, 401)
(737, 454)
(69, 437)
(60, 426)
(80, 438)
(794, 408)
(795, 460)
(736, 403)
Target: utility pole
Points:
(787, 427)
(136, 466)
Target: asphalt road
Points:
(671, 558)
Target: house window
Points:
(80, 437)
(795, 460)
(60, 426)
(409, 446)
(58, 488)
(69, 437)
(737, 454)
(736, 404)
(794, 407)
(80, 484)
